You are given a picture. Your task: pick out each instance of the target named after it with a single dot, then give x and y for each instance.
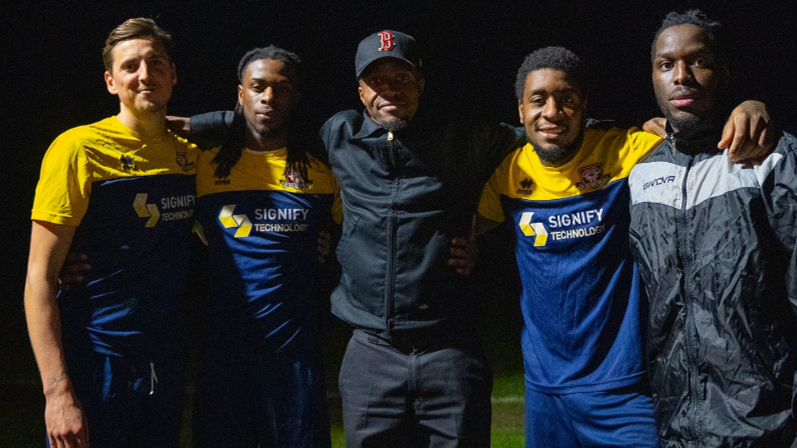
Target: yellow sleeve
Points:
(490, 202)
(642, 143)
(62, 194)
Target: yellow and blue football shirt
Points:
(132, 200)
(581, 293)
(262, 226)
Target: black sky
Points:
(52, 70)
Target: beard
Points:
(688, 124)
(262, 130)
(556, 155)
(394, 124)
(265, 130)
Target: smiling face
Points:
(268, 94)
(141, 75)
(552, 111)
(390, 90)
(686, 76)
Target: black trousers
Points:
(436, 395)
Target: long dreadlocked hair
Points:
(235, 139)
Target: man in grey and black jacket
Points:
(715, 244)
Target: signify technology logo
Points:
(145, 210)
(535, 229)
(242, 222)
(171, 208)
(563, 226)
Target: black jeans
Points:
(432, 395)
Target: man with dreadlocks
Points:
(414, 373)
(261, 201)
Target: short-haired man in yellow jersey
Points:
(121, 191)
(567, 198)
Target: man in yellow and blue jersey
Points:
(262, 200)
(121, 191)
(566, 196)
(414, 373)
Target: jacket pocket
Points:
(344, 239)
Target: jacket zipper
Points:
(391, 241)
(687, 256)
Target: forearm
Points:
(49, 246)
(44, 329)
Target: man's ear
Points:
(520, 111)
(110, 84)
(174, 74)
(360, 92)
(240, 94)
(421, 86)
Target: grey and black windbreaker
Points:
(715, 244)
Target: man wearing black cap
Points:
(414, 373)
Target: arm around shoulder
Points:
(210, 129)
(780, 194)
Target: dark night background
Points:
(53, 80)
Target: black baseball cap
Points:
(387, 44)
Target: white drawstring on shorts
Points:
(153, 378)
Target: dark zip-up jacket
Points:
(405, 195)
(715, 244)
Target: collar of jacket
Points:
(368, 128)
(703, 141)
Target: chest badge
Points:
(182, 160)
(294, 179)
(128, 164)
(592, 177)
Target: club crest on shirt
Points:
(525, 187)
(293, 179)
(182, 160)
(592, 177)
(128, 164)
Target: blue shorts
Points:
(617, 418)
(245, 399)
(124, 404)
